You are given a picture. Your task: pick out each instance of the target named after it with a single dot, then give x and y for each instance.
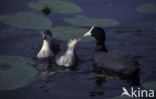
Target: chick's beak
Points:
(77, 40)
(87, 34)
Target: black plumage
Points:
(115, 61)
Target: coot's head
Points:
(47, 35)
(97, 32)
(73, 42)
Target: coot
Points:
(114, 61)
(50, 46)
(68, 58)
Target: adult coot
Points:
(114, 61)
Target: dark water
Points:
(135, 35)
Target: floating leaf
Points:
(17, 73)
(57, 6)
(86, 21)
(27, 21)
(147, 8)
(45, 74)
(66, 33)
(150, 85)
(52, 73)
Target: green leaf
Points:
(147, 8)
(52, 73)
(150, 85)
(57, 6)
(46, 74)
(27, 21)
(66, 33)
(15, 72)
(86, 21)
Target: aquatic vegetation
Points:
(15, 72)
(27, 21)
(57, 6)
(86, 21)
(66, 33)
(46, 74)
(46, 10)
(147, 8)
(150, 85)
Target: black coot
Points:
(114, 61)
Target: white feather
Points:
(45, 50)
(66, 59)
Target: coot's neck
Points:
(100, 46)
(45, 50)
(69, 51)
(46, 45)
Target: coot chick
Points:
(50, 46)
(114, 61)
(68, 58)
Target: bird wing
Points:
(55, 46)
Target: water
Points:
(79, 84)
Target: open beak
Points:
(88, 33)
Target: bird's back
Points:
(116, 61)
(66, 60)
(55, 46)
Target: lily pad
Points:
(27, 21)
(86, 21)
(147, 8)
(150, 85)
(16, 72)
(57, 6)
(66, 33)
